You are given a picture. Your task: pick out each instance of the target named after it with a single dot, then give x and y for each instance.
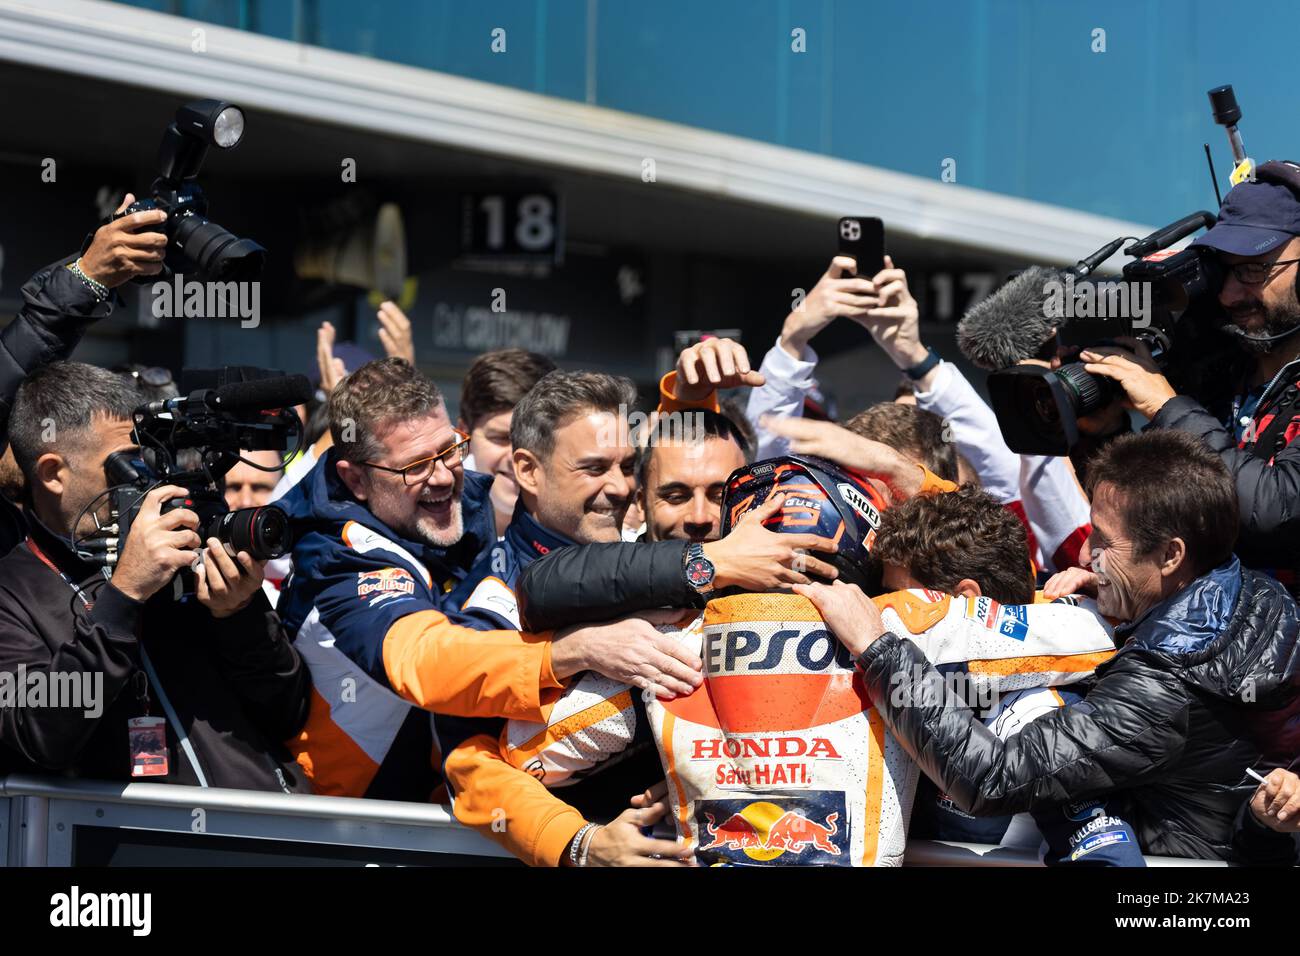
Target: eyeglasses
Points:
(419, 471)
(1257, 273)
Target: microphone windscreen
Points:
(1011, 324)
(280, 392)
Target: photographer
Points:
(1205, 684)
(1257, 240)
(59, 303)
(133, 683)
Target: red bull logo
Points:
(385, 581)
(764, 831)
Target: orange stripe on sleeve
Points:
(1068, 664)
(507, 805)
(460, 671)
(556, 732)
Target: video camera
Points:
(192, 441)
(1165, 299)
(197, 244)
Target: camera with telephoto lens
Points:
(1166, 300)
(192, 441)
(196, 244)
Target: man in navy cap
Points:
(1257, 241)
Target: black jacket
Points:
(57, 309)
(237, 686)
(584, 584)
(1205, 685)
(1268, 485)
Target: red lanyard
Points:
(142, 682)
(35, 549)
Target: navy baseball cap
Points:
(1257, 217)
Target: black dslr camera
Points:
(192, 441)
(197, 244)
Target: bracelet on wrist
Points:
(100, 290)
(575, 845)
(923, 367)
(587, 839)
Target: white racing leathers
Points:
(779, 758)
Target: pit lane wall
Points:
(47, 821)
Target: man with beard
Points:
(1257, 240)
(388, 523)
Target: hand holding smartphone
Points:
(863, 239)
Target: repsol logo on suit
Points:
(812, 648)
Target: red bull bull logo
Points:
(764, 831)
(794, 831)
(736, 833)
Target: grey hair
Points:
(558, 397)
(55, 406)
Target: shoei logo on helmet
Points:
(856, 500)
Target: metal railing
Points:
(50, 821)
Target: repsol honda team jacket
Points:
(371, 614)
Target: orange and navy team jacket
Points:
(482, 784)
(372, 615)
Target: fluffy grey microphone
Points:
(1011, 324)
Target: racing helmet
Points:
(823, 499)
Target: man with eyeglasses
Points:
(1257, 240)
(388, 523)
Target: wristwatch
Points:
(922, 368)
(698, 569)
